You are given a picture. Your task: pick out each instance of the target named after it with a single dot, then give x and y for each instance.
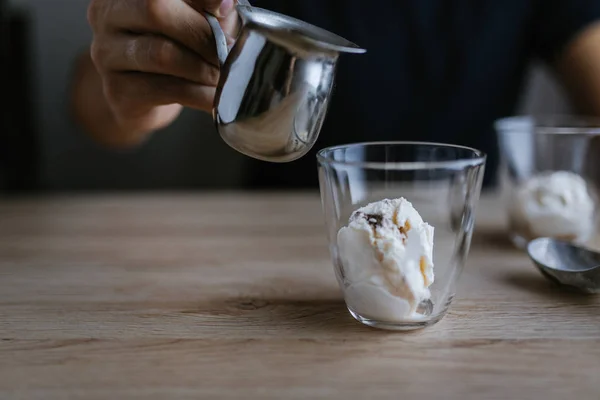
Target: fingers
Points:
(231, 25)
(224, 10)
(174, 19)
(153, 54)
(218, 8)
(132, 95)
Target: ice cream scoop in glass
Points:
(399, 217)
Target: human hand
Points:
(156, 56)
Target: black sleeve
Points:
(557, 22)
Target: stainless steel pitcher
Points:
(275, 83)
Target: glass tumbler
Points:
(551, 177)
(443, 184)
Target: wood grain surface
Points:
(233, 296)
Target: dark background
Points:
(41, 149)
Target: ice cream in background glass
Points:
(399, 218)
(551, 174)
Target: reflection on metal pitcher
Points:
(275, 83)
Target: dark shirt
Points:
(435, 70)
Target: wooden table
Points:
(233, 296)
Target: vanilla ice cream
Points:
(553, 204)
(386, 256)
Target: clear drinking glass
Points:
(443, 183)
(552, 177)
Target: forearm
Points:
(92, 112)
(579, 69)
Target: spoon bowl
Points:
(566, 264)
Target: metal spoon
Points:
(566, 264)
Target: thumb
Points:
(219, 8)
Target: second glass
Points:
(552, 177)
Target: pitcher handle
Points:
(220, 38)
